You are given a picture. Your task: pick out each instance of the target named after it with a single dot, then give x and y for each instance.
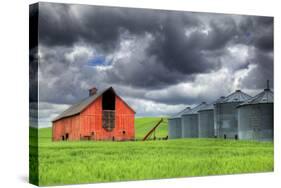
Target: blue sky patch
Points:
(97, 61)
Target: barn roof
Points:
(80, 106)
(237, 96)
(264, 97)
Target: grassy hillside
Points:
(144, 125)
(88, 161)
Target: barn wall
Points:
(70, 125)
(124, 121)
(88, 124)
(91, 121)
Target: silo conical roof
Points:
(207, 107)
(266, 96)
(219, 99)
(237, 96)
(178, 115)
(195, 109)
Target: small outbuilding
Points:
(174, 123)
(255, 117)
(103, 115)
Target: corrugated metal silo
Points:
(206, 122)
(226, 114)
(189, 122)
(255, 117)
(174, 124)
(215, 119)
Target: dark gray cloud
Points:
(151, 57)
(102, 27)
(257, 31)
(262, 71)
(65, 25)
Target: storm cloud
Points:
(153, 58)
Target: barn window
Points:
(108, 110)
(108, 100)
(124, 132)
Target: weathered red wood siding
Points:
(91, 119)
(91, 122)
(70, 125)
(88, 124)
(124, 120)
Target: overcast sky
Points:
(158, 61)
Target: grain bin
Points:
(255, 117)
(206, 122)
(174, 123)
(226, 114)
(190, 122)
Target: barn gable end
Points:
(106, 117)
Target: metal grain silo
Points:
(226, 114)
(189, 121)
(255, 117)
(215, 119)
(174, 124)
(206, 122)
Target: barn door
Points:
(108, 119)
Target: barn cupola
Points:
(93, 91)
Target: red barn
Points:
(102, 116)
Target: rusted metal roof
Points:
(80, 106)
(237, 96)
(195, 109)
(264, 97)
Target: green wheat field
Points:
(71, 162)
